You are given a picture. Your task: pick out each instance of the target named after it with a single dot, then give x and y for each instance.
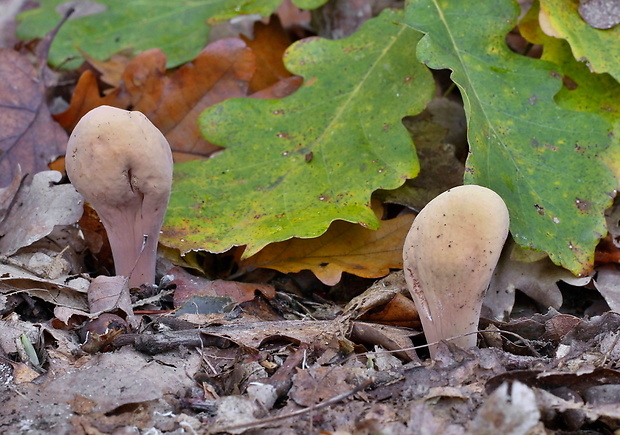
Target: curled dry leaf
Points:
(385, 302)
(111, 293)
(607, 282)
(510, 410)
(345, 247)
(37, 209)
(537, 279)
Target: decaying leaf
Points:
(103, 379)
(510, 410)
(188, 286)
(37, 209)
(607, 282)
(29, 136)
(537, 279)
(385, 302)
(344, 247)
(111, 293)
(173, 102)
(58, 294)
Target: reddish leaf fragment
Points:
(85, 98)
(111, 70)
(188, 286)
(173, 102)
(28, 137)
(221, 71)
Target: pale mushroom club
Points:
(449, 257)
(122, 165)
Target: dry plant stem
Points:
(449, 257)
(122, 165)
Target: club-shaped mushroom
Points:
(122, 165)
(449, 256)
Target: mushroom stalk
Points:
(122, 165)
(448, 258)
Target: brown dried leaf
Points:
(537, 279)
(111, 70)
(385, 302)
(173, 103)
(253, 335)
(111, 293)
(344, 247)
(104, 379)
(29, 136)
(55, 292)
(269, 43)
(389, 338)
(188, 286)
(313, 386)
(37, 209)
(280, 89)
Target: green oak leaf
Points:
(599, 48)
(294, 165)
(105, 27)
(584, 90)
(541, 158)
(309, 4)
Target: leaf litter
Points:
(272, 352)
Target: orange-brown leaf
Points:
(269, 43)
(174, 101)
(345, 247)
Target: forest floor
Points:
(265, 368)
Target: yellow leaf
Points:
(345, 247)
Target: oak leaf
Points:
(344, 247)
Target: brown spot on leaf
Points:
(540, 209)
(582, 205)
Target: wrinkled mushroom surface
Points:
(122, 165)
(448, 258)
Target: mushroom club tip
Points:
(449, 257)
(122, 165)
